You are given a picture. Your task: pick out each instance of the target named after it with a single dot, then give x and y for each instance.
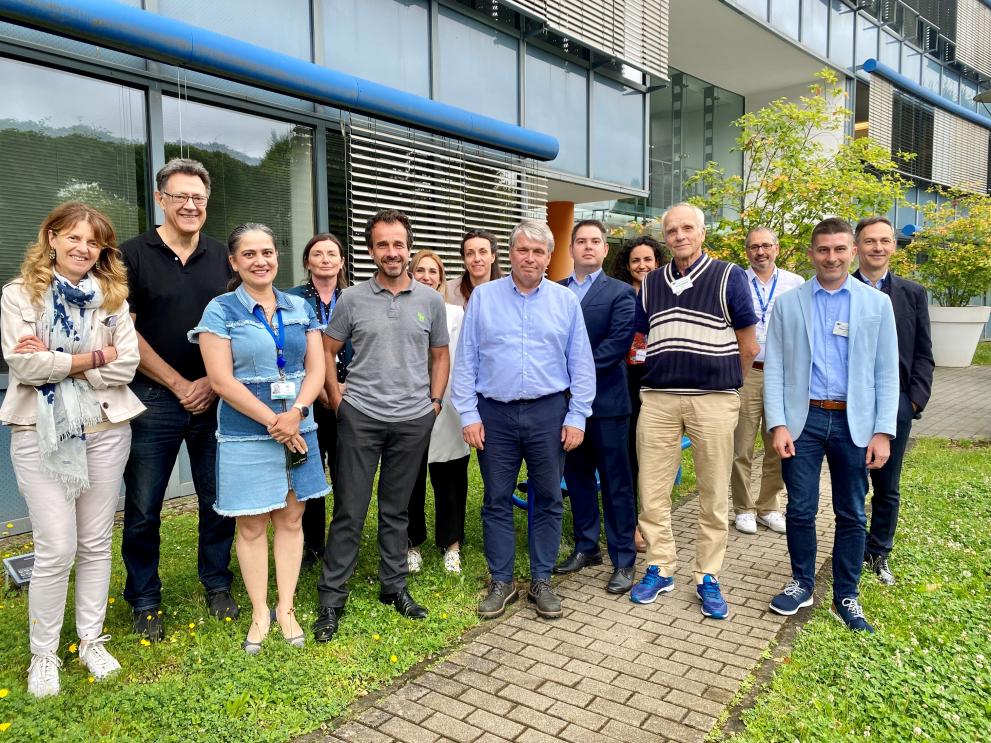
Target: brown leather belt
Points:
(828, 404)
(759, 365)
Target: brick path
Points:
(960, 407)
(609, 670)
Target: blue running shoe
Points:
(791, 599)
(713, 604)
(849, 612)
(652, 583)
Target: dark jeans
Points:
(827, 434)
(604, 449)
(527, 430)
(450, 483)
(156, 436)
(634, 377)
(362, 441)
(315, 511)
(887, 487)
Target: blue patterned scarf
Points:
(65, 408)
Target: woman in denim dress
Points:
(264, 358)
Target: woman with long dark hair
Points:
(69, 341)
(480, 254)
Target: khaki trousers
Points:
(709, 421)
(772, 487)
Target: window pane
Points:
(967, 92)
(951, 85)
(261, 171)
(617, 142)
(355, 33)
(557, 103)
(930, 74)
(478, 67)
(866, 40)
(911, 63)
(890, 51)
(815, 24)
(757, 7)
(784, 16)
(67, 137)
(841, 33)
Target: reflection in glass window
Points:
(841, 19)
(477, 67)
(867, 33)
(261, 169)
(757, 7)
(815, 24)
(890, 51)
(951, 85)
(967, 92)
(784, 16)
(356, 33)
(617, 126)
(911, 63)
(557, 103)
(930, 74)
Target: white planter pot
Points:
(956, 332)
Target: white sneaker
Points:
(452, 561)
(43, 675)
(414, 560)
(97, 659)
(746, 523)
(773, 521)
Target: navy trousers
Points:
(605, 448)
(523, 430)
(887, 487)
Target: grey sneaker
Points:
(501, 594)
(879, 565)
(545, 601)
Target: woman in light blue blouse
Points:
(264, 358)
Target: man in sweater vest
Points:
(701, 341)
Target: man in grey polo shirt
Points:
(398, 328)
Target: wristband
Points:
(103, 359)
(437, 401)
(94, 360)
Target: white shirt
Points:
(763, 298)
(446, 442)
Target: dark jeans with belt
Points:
(826, 434)
(362, 442)
(315, 513)
(450, 483)
(156, 436)
(515, 431)
(887, 487)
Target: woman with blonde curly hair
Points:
(69, 341)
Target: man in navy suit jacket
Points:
(876, 244)
(608, 306)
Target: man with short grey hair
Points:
(395, 387)
(524, 382)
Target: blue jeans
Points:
(827, 434)
(516, 431)
(887, 486)
(156, 436)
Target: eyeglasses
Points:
(870, 242)
(181, 198)
(760, 246)
(75, 241)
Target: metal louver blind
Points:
(879, 111)
(960, 152)
(445, 186)
(974, 35)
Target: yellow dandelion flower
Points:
(111, 600)
(145, 641)
(91, 679)
(73, 648)
(4, 726)
(159, 613)
(443, 615)
(192, 625)
(192, 633)
(393, 659)
(228, 619)
(376, 637)
(4, 693)
(9, 525)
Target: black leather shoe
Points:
(325, 626)
(621, 580)
(148, 624)
(405, 604)
(222, 605)
(545, 601)
(878, 564)
(576, 561)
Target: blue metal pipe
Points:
(907, 84)
(117, 26)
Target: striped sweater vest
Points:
(691, 345)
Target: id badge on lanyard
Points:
(284, 389)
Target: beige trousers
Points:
(708, 420)
(70, 531)
(772, 487)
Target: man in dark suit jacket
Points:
(875, 245)
(608, 306)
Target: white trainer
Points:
(414, 560)
(773, 521)
(452, 561)
(43, 678)
(96, 658)
(746, 523)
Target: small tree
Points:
(951, 254)
(791, 179)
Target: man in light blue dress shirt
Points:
(523, 383)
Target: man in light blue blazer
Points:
(830, 389)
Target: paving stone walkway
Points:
(960, 407)
(609, 670)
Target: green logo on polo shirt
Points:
(421, 317)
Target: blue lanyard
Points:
(325, 311)
(764, 305)
(280, 339)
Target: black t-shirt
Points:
(168, 298)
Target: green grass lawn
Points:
(199, 685)
(982, 357)
(925, 674)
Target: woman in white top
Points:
(69, 341)
(480, 253)
(448, 453)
